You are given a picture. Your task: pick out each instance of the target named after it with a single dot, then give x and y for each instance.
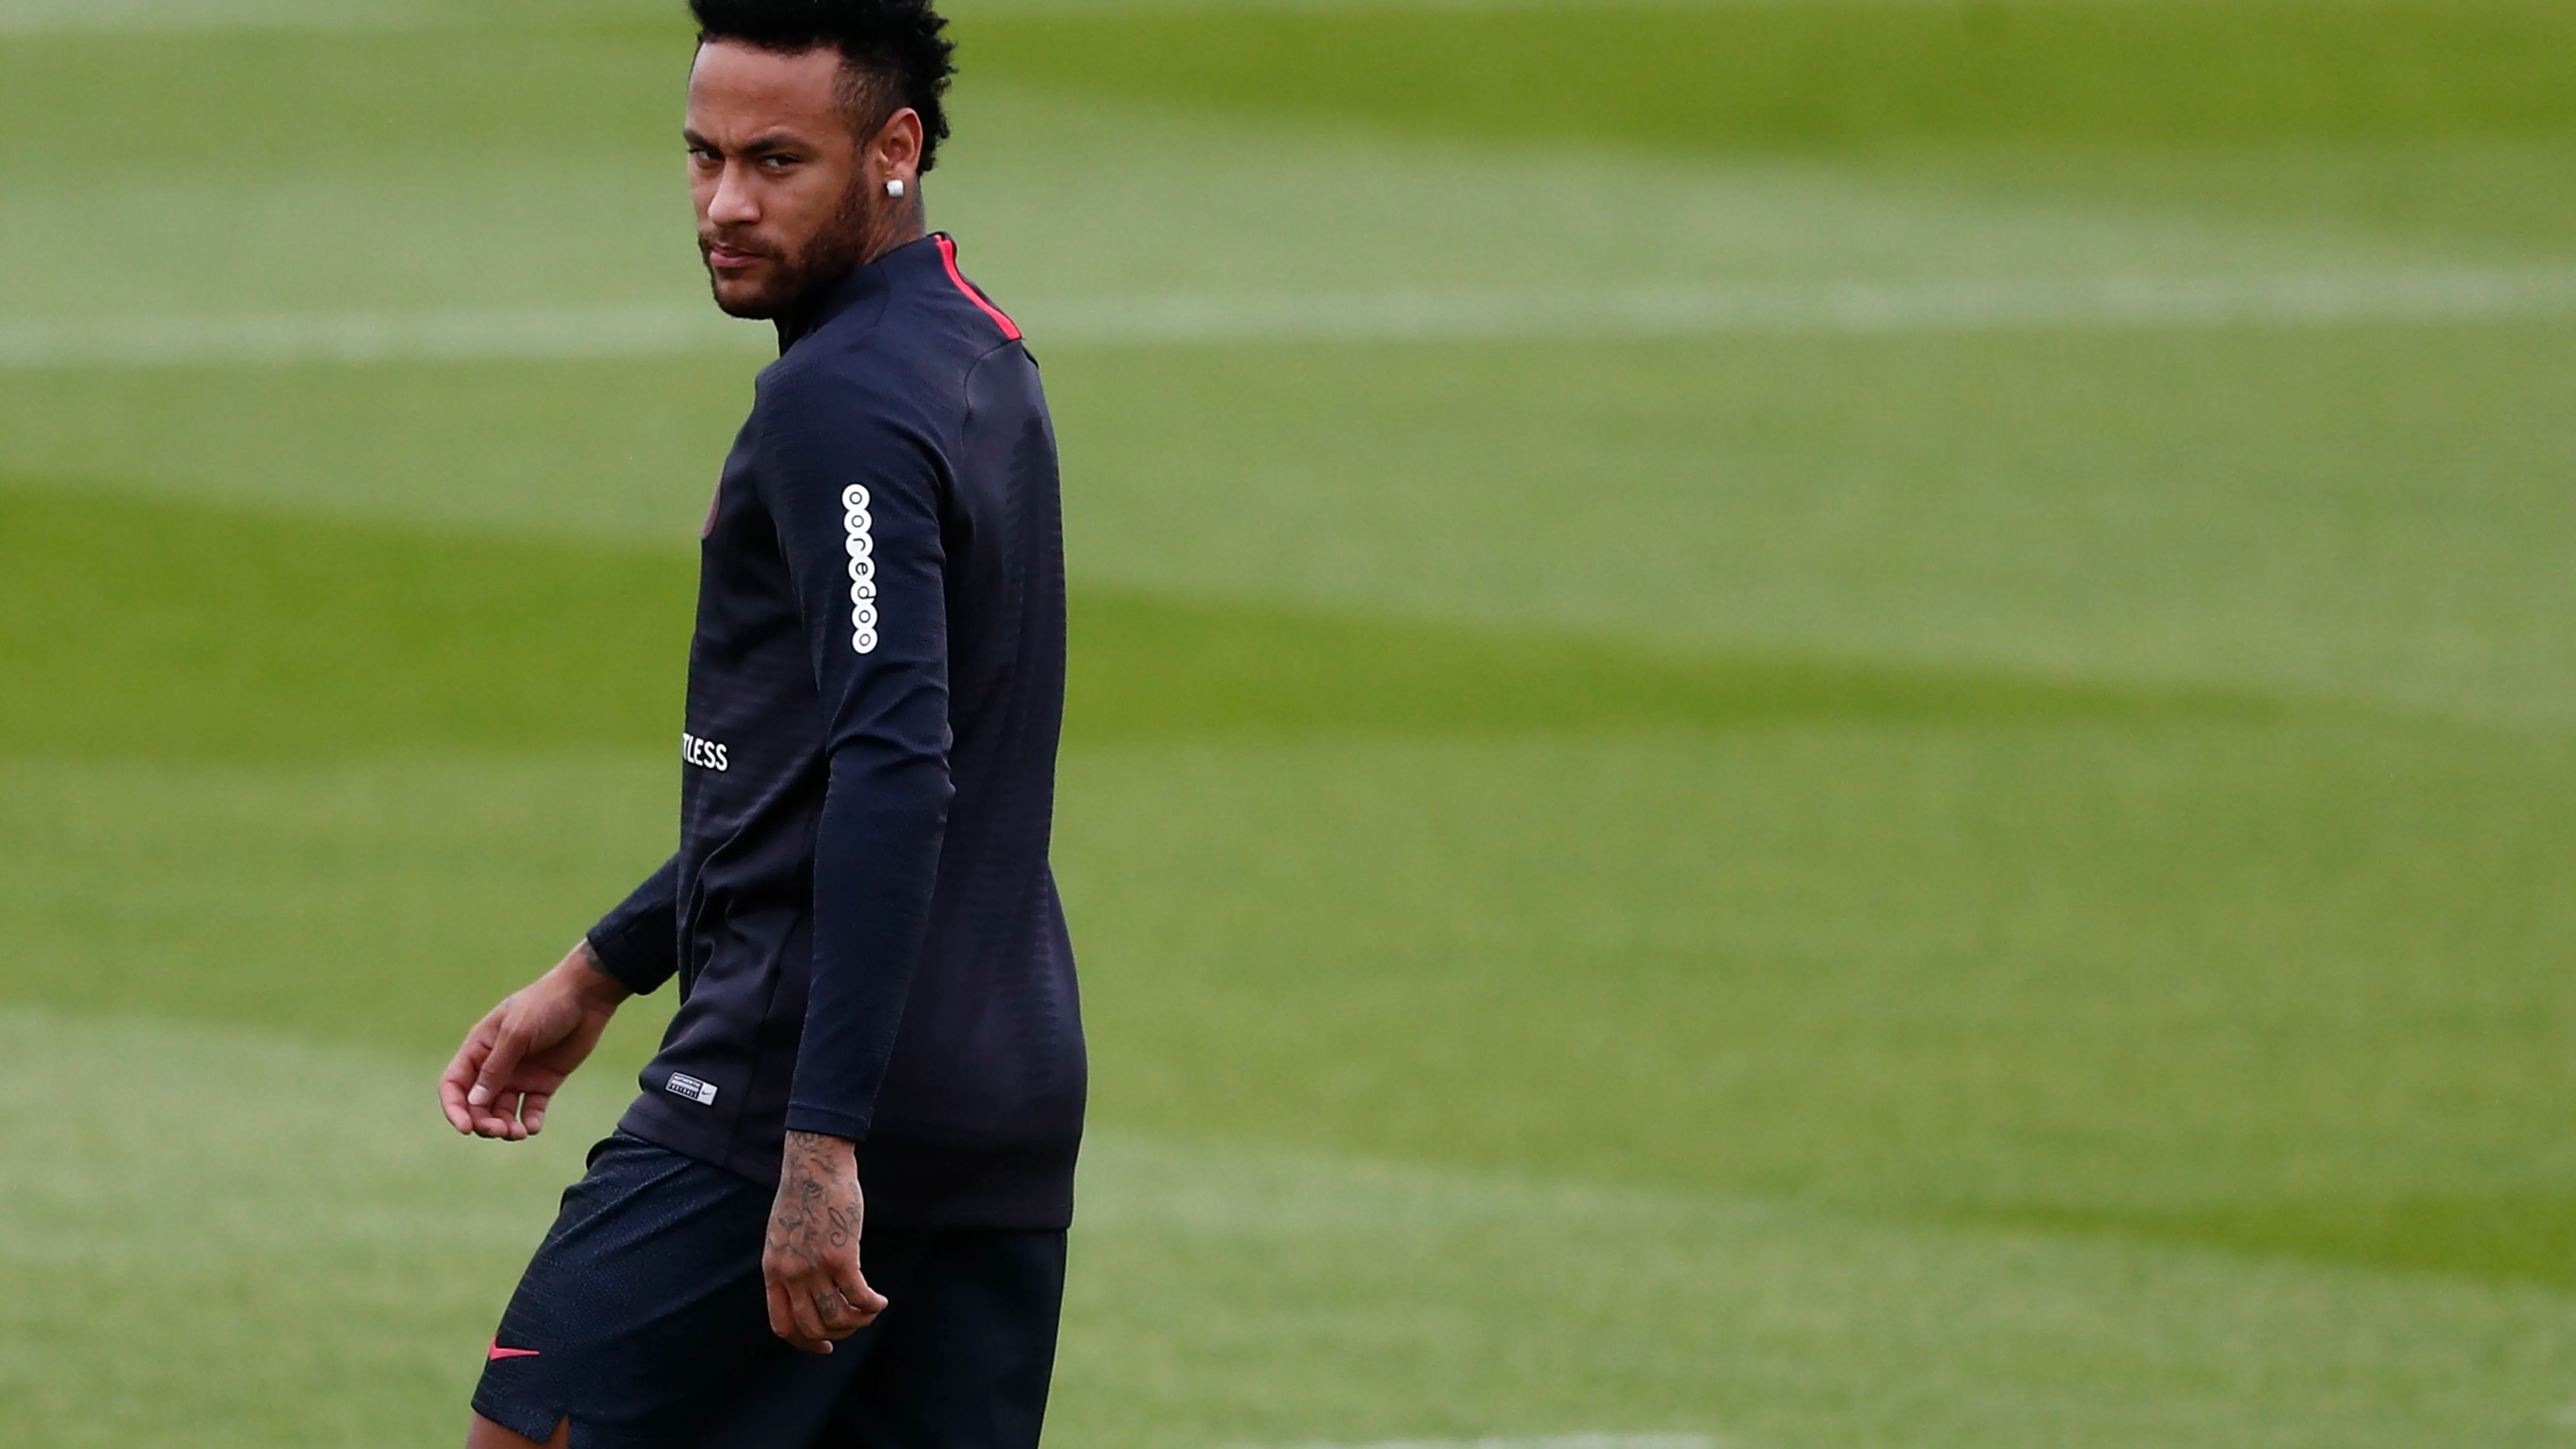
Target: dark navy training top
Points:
(861, 913)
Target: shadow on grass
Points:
(1875, 73)
(2507, 1238)
(151, 626)
(1148, 667)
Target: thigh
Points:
(791, 1399)
(642, 1313)
(965, 1352)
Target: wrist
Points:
(813, 1150)
(589, 978)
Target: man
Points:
(837, 1213)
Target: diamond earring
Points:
(894, 188)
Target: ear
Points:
(894, 153)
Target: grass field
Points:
(1898, 771)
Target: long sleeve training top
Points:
(861, 913)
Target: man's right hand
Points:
(518, 1055)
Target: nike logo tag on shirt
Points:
(498, 1352)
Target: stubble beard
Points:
(801, 280)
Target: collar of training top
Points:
(860, 285)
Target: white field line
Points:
(566, 332)
(1712, 310)
(1828, 308)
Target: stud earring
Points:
(894, 188)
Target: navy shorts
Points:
(644, 1321)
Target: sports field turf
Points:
(1897, 770)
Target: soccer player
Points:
(836, 1214)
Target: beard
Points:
(800, 279)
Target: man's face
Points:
(775, 170)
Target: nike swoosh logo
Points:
(498, 1352)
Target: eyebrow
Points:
(771, 144)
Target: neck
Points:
(896, 224)
(889, 229)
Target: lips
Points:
(731, 259)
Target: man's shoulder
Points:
(908, 360)
(837, 384)
(820, 413)
(909, 356)
(934, 324)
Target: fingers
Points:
(508, 1045)
(792, 1316)
(458, 1079)
(505, 1124)
(781, 1322)
(804, 1312)
(451, 1100)
(843, 1301)
(498, 1119)
(839, 1314)
(812, 1311)
(504, 1077)
(859, 1303)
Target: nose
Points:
(733, 203)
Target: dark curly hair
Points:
(891, 50)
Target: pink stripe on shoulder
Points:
(948, 254)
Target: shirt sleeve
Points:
(639, 942)
(855, 491)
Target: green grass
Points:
(1222, 1296)
(165, 629)
(72, 103)
(2084, 969)
(1849, 72)
(2000, 889)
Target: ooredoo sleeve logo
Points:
(863, 568)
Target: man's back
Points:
(875, 693)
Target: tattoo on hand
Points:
(806, 1210)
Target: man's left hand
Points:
(811, 1261)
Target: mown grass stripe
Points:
(166, 629)
(1860, 72)
(125, 17)
(2462, 295)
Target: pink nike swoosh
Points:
(499, 1352)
